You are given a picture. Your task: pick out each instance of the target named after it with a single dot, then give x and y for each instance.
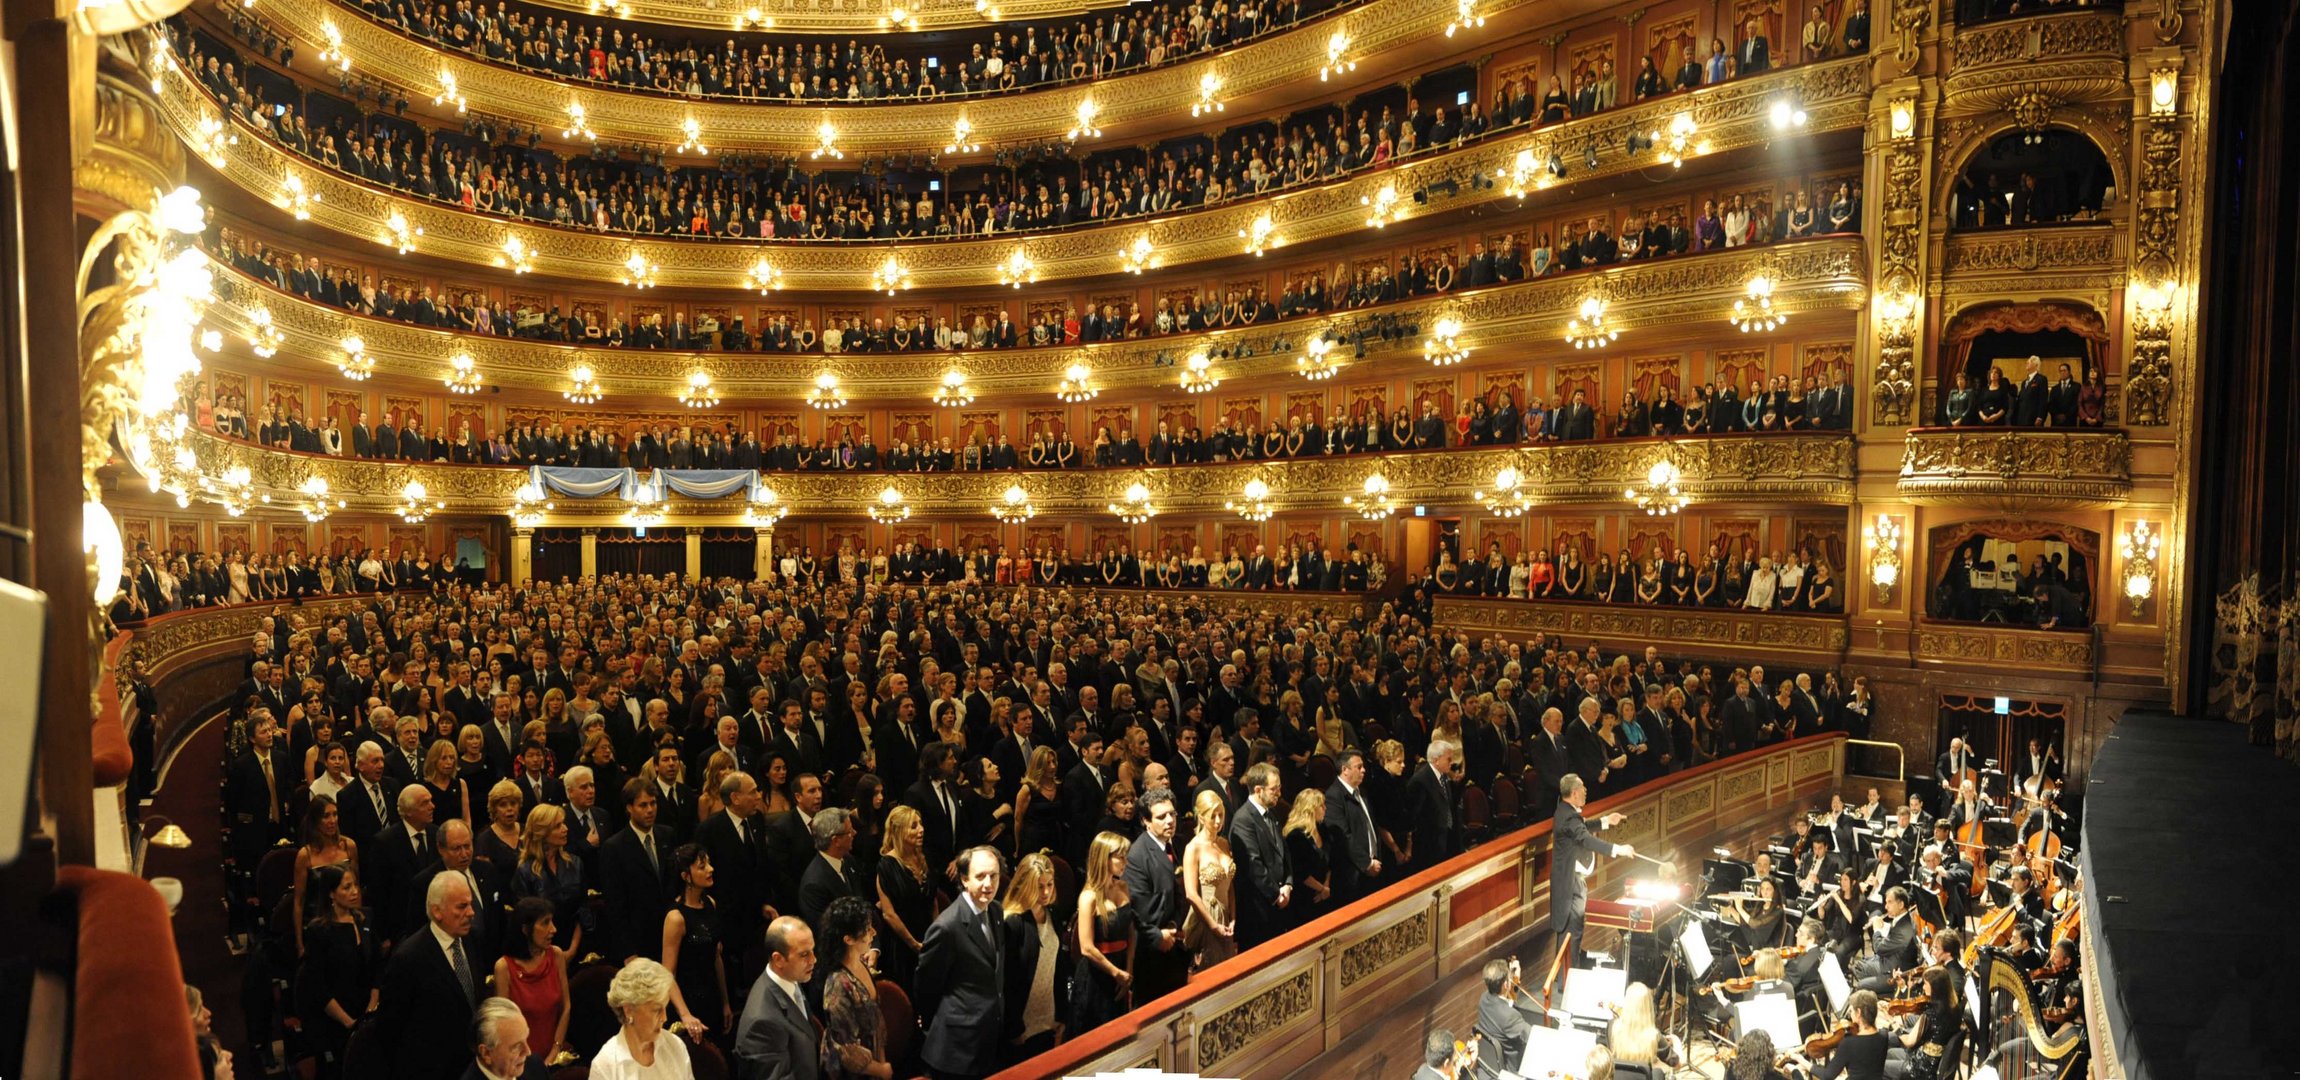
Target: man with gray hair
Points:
(1573, 857)
(831, 874)
(1431, 796)
(499, 1048)
(366, 804)
(430, 987)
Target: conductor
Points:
(1572, 858)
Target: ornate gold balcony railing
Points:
(835, 16)
(2019, 252)
(1729, 116)
(1704, 630)
(1815, 468)
(1809, 276)
(2017, 469)
(2056, 34)
(2004, 648)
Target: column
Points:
(763, 567)
(522, 556)
(590, 553)
(694, 555)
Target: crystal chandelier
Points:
(953, 391)
(462, 374)
(1508, 498)
(1084, 128)
(1137, 507)
(1443, 348)
(889, 508)
(1253, 503)
(699, 393)
(1337, 56)
(1261, 234)
(235, 490)
(1013, 506)
(356, 364)
(1589, 329)
(898, 17)
(891, 276)
(1384, 205)
(1525, 174)
(1677, 144)
(264, 336)
(961, 138)
(1318, 361)
(754, 17)
(826, 139)
(1138, 256)
(331, 52)
(765, 508)
(213, 138)
(1755, 311)
(639, 270)
(763, 276)
(528, 506)
(1017, 270)
(583, 386)
(1661, 495)
(398, 234)
(296, 198)
(1373, 503)
(826, 393)
(1077, 384)
(578, 123)
(1209, 95)
(317, 505)
(449, 93)
(415, 505)
(1465, 17)
(986, 9)
(1198, 374)
(643, 509)
(517, 256)
(691, 137)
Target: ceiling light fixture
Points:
(691, 137)
(763, 276)
(699, 393)
(898, 17)
(1013, 506)
(356, 364)
(1443, 348)
(826, 392)
(1754, 312)
(1509, 497)
(961, 137)
(1136, 507)
(462, 374)
(578, 123)
(639, 270)
(643, 509)
(264, 336)
(528, 506)
(754, 18)
(1253, 504)
(583, 386)
(1589, 329)
(889, 509)
(1373, 502)
(1318, 360)
(517, 256)
(1017, 270)
(1139, 255)
(449, 92)
(416, 504)
(1077, 384)
(212, 138)
(1084, 128)
(331, 46)
(1337, 56)
(826, 138)
(235, 490)
(1465, 17)
(764, 509)
(1198, 374)
(1261, 234)
(317, 505)
(398, 234)
(1209, 95)
(1661, 495)
(953, 392)
(891, 276)
(1384, 205)
(296, 198)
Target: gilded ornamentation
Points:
(1686, 805)
(1720, 628)
(1255, 1018)
(1744, 784)
(2030, 39)
(2156, 232)
(2032, 109)
(2032, 650)
(2148, 378)
(1396, 942)
(135, 149)
(1911, 18)
(2028, 250)
(2015, 469)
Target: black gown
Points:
(913, 900)
(1093, 992)
(698, 973)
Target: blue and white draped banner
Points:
(623, 483)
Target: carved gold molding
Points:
(1731, 116)
(136, 151)
(2017, 470)
(834, 16)
(2027, 650)
(1720, 627)
(2025, 251)
(1810, 276)
(1806, 469)
(2020, 42)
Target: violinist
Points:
(1803, 971)
(1505, 1012)
(1640, 1051)
(1860, 1055)
(1924, 1035)
(1753, 1058)
(1892, 942)
(1444, 1058)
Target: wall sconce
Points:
(1884, 541)
(2140, 547)
(1904, 118)
(2164, 92)
(2151, 306)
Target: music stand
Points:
(1560, 1050)
(1592, 992)
(1724, 875)
(1833, 982)
(1774, 1013)
(1695, 943)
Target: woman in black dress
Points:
(692, 948)
(905, 899)
(1105, 938)
(1037, 805)
(335, 986)
(1926, 1036)
(1306, 852)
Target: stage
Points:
(2191, 858)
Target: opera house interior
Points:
(1371, 539)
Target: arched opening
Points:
(2070, 341)
(2022, 179)
(2020, 573)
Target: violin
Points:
(1908, 1006)
(1739, 984)
(1790, 953)
(1822, 1045)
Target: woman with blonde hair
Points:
(1036, 964)
(707, 800)
(905, 896)
(1209, 881)
(1306, 850)
(471, 765)
(450, 796)
(548, 870)
(1037, 813)
(1105, 936)
(640, 997)
(498, 843)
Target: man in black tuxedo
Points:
(1082, 793)
(791, 840)
(1154, 888)
(390, 857)
(370, 801)
(256, 793)
(2032, 405)
(776, 1037)
(675, 805)
(635, 877)
(1579, 422)
(487, 882)
(430, 988)
(1430, 806)
(1504, 1015)
(499, 1047)
(935, 796)
(895, 738)
(1573, 855)
(1358, 865)
(1893, 939)
(833, 873)
(962, 975)
(1545, 751)
(1221, 765)
(743, 884)
(795, 739)
(1265, 880)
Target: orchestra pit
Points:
(1246, 539)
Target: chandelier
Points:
(331, 52)
(264, 336)
(1198, 374)
(1209, 95)
(462, 374)
(826, 140)
(1373, 503)
(1589, 329)
(398, 234)
(1508, 498)
(296, 198)
(765, 509)
(639, 271)
(953, 392)
(213, 138)
(1527, 172)
(891, 276)
(961, 138)
(1755, 312)
(1261, 234)
(317, 506)
(699, 393)
(1077, 384)
(1661, 495)
(1385, 205)
(986, 9)
(1253, 503)
(1138, 256)
(1786, 113)
(1084, 128)
(356, 364)
(898, 17)
(235, 490)
(528, 506)
(517, 256)
(1017, 270)
(643, 509)
(583, 386)
(1137, 507)
(1443, 348)
(763, 276)
(889, 508)
(578, 123)
(754, 16)
(826, 393)
(1677, 144)
(1013, 506)
(1337, 56)
(414, 504)
(691, 141)
(1465, 17)
(449, 94)
(1318, 360)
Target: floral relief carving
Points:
(1256, 1017)
(2017, 468)
(1394, 943)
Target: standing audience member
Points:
(1265, 877)
(640, 1050)
(1037, 964)
(961, 976)
(425, 1002)
(1154, 890)
(500, 1047)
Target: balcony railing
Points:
(2017, 469)
(1706, 631)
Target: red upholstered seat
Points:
(1476, 813)
(1320, 773)
(901, 1020)
(128, 1013)
(590, 1023)
(1505, 803)
(708, 1062)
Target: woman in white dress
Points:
(237, 570)
(846, 564)
(639, 1051)
(1761, 584)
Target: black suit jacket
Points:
(244, 793)
(356, 812)
(423, 1009)
(1262, 871)
(1429, 805)
(743, 880)
(1572, 842)
(1352, 822)
(821, 885)
(773, 1039)
(941, 839)
(1154, 887)
(387, 865)
(961, 985)
(637, 895)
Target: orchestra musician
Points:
(1860, 1055)
(1803, 971)
(1820, 864)
(1924, 1035)
(2038, 769)
(1957, 765)
(1573, 856)
(1505, 1012)
(1838, 909)
(1887, 872)
(1892, 943)
(1843, 826)
(1970, 806)
(1759, 915)
(1444, 1057)
(1874, 809)
(1949, 877)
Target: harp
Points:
(2059, 1057)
